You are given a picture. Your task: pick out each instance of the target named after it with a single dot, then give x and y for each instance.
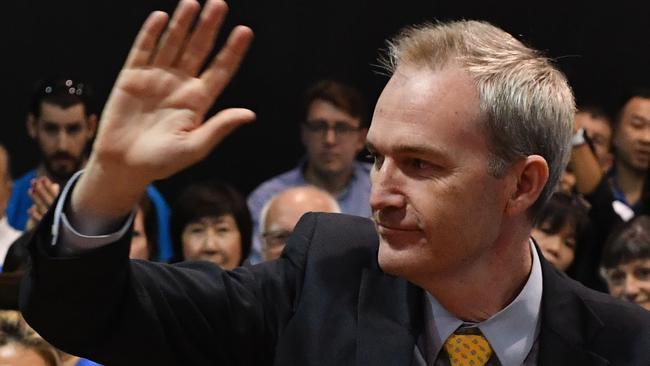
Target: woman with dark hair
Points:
(558, 229)
(210, 221)
(626, 261)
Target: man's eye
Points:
(344, 129)
(51, 129)
(73, 130)
(376, 159)
(637, 123)
(419, 164)
(317, 126)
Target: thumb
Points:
(215, 129)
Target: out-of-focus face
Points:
(630, 281)
(278, 227)
(558, 248)
(62, 135)
(437, 208)
(139, 248)
(283, 215)
(632, 136)
(332, 139)
(599, 131)
(214, 239)
(17, 355)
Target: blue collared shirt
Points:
(353, 200)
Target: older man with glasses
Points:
(282, 212)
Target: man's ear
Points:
(92, 125)
(31, 125)
(531, 175)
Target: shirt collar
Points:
(511, 332)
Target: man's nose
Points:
(63, 140)
(386, 187)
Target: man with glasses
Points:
(282, 212)
(333, 133)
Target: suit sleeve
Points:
(102, 306)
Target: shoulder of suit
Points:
(346, 238)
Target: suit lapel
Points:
(568, 324)
(390, 319)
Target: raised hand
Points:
(152, 125)
(153, 120)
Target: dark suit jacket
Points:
(324, 302)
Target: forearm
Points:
(586, 169)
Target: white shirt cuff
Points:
(69, 240)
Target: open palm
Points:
(152, 125)
(153, 120)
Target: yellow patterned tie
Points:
(468, 350)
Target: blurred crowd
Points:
(595, 228)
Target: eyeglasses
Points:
(276, 238)
(321, 128)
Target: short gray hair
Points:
(528, 102)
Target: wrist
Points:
(104, 195)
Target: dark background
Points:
(603, 47)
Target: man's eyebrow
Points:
(418, 149)
(414, 149)
(640, 117)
